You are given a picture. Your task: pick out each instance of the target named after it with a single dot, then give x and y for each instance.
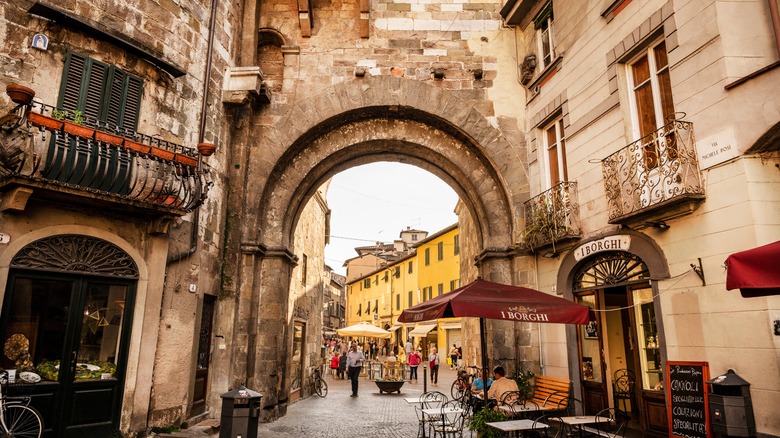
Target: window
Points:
(410, 299)
(543, 23)
(368, 308)
(456, 244)
(376, 279)
(427, 256)
(453, 285)
(441, 288)
(360, 307)
(397, 272)
(651, 98)
(440, 249)
(414, 237)
(555, 158)
(376, 306)
(410, 267)
(367, 283)
(101, 93)
(304, 267)
(397, 301)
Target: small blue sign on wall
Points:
(40, 41)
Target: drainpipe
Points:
(201, 131)
(773, 13)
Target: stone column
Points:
(268, 352)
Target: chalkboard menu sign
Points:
(687, 404)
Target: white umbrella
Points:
(364, 329)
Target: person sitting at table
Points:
(478, 388)
(501, 385)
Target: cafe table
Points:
(577, 421)
(413, 400)
(516, 425)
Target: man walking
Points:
(355, 360)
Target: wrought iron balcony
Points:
(654, 178)
(552, 217)
(62, 153)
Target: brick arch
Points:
(391, 119)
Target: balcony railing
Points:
(654, 176)
(56, 148)
(552, 217)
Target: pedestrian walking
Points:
(454, 357)
(414, 361)
(433, 360)
(408, 346)
(342, 365)
(355, 360)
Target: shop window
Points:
(590, 351)
(647, 334)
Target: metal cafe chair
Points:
(451, 420)
(549, 426)
(623, 387)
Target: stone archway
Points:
(350, 124)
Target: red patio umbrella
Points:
(485, 299)
(755, 272)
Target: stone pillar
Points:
(268, 353)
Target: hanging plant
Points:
(20, 94)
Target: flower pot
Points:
(206, 149)
(42, 121)
(19, 93)
(389, 386)
(134, 146)
(162, 153)
(77, 130)
(186, 160)
(109, 138)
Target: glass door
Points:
(66, 338)
(590, 341)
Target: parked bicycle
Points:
(320, 386)
(17, 419)
(462, 384)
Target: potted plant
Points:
(135, 146)
(389, 384)
(484, 416)
(44, 121)
(20, 94)
(107, 137)
(524, 386)
(74, 126)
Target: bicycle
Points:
(462, 384)
(17, 419)
(320, 386)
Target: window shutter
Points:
(93, 88)
(541, 19)
(73, 78)
(124, 101)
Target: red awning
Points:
(485, 299)
(755, 272)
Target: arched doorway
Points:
(67, 318)
(376, 119)
(618, 359)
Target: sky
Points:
(375, 202)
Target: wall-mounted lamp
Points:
(659, 225)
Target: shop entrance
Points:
(69, 332)
(620, 360)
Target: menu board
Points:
(688, 404)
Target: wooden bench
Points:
(551, 392)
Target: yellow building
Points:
(438, 258)
(431, 269)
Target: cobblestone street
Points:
(340, 416)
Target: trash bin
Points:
(240, 413)
(731, 409)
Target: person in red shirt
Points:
(414, 360)
(334, 363)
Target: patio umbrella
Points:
(754, 272)
(364, 329)
(485, 299)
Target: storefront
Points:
(66, 326)
(617, 360)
